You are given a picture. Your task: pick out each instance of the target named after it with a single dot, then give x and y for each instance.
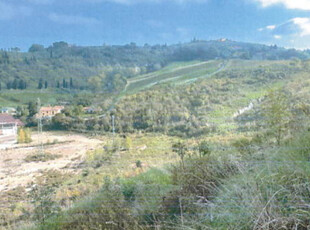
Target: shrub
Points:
(243, 145)
(204, 149)
(37, 157)
(105, 210)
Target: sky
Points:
(97, 22)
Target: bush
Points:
(202, 176)
(105, 210)
(204, 149)
(43, 157)
(243, 145)
(24, 136)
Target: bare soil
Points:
(70, 148)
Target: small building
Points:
(91, 110)
(88, 109)
(50, 111)
(8, 110)
(8, 129)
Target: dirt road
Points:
(71, 148)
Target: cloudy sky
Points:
(95, 22)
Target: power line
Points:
(40, 128)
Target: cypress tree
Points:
(15, 84)
(40, 85)
(71, 83)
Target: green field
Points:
(18, 97)
(175, 73)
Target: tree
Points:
(9, 85)
(36, 48)
(204, 149)
(127, 143)
(22, 84)
(28, 135)
(32, 108)
(71, 83)
(95, 82)
(181, 149)
(15, 84)
(21, 137)
(42, 200)
(60, 45)
(40, 85)
(277, 113)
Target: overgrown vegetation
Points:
(216, 145)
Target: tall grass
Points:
(270, 193)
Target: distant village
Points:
(9, 124)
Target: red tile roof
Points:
(50, 108)
(8, 119)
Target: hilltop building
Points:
(8, 130)
(50, 111)
(222, 40)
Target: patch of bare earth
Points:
(70, 148)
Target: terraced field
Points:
(179, 74)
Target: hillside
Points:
(199, 143)
(217, 164)
(73, 67)
(189, 99)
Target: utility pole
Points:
(113, 131)
(113, 125)
(40, 143)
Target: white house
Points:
(8, 110)
(8, 130)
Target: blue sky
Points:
(96, 22)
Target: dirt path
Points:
(71, 148)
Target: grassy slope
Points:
(159, 148)
(230, 93)
(17, 97)
(175, 73)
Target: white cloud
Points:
(303, 24)
(293, 27)
(290, 4)
(271, 27)
(73, 20)
(294, 32)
